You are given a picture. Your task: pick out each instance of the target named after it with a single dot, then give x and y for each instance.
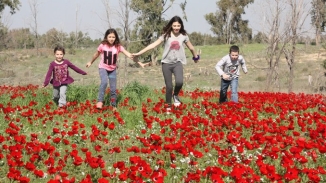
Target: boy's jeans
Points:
(224, 89)
(112, 76)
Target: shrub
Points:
(136, 93)
(260, 78)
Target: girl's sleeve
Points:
(186, 39)
(75, 68)
(121, 49)
(48, 75)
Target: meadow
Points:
(23, 67)
(266, 137)
(269, 136)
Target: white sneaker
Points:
(177, 101)
(168, 110)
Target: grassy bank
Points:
(21, 67)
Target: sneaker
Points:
(99, 105)
(168, 110)
(177, 101)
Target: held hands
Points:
(88, 64)
(134, 55)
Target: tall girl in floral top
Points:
(109, 50)
(58, 69)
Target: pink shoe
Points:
(99, 105)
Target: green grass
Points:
(24, 67)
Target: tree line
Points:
(282, 29)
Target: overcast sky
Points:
(61, 14)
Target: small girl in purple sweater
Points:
(60, 76)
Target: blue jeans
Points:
(112, 76)
(224, 89)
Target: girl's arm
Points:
(149, 47)
(192, 50)
(135, 59)
(96, 54)
(48, 76)
(75, 68)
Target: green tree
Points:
(3, 37)
(20, 39)
(197, 38)
(150, 23)
(76, 41)
(227, 22)
(260, 37)
(318, 17)
(12, 4)
(54, 37)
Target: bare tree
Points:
(283, 25)
(76, 40)
(272, 26)
(125, 23)
(107, 12)
(297, 18)
(106, 18)
(33, 5)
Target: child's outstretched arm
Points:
(96, 54)
(149, 47)
(76, 69)
(135, 59)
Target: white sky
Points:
(61, 14)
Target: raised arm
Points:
(75, 68)
(149, 47)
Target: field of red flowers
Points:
(266, 137)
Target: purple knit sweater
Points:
(60, 73)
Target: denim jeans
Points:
(224, 89)
(104, 76)
(59, 95)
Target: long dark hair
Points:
(110, 31)
(168, 28)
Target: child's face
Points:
(176, 26)
(234, 56)
(58, 56)
(111, 38)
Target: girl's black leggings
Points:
(168, 70)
